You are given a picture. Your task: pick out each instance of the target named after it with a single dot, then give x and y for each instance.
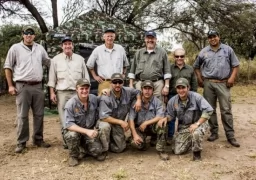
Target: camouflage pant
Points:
(184, 140)
(152, 130)
(114, 137)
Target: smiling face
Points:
(214, 40)
(147, 92)
(150, 42)
(67, 47)
(109, 38)
(117, 85)
(179, 57)
(83, 91)
(182, 91)
(28, 37)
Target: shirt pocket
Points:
(77, 74)
(61, 72)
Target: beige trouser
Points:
(158, 86)
(103, 85)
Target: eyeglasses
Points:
(182, 56)
(117, 82)
(28, 32)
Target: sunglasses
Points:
(28, 33)
(118, 82)
(182, 56)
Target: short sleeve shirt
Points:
(75, 114)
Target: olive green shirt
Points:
(150, 66)
(185, 72)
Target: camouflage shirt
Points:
(117, 108)
(155, 109)
(150, 66)
(216, 65)
(190, 111)
(75, 114)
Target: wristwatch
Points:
(198, 123)
(167, 86)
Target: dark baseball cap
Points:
(117, 76)
(212, 33)
(110, 30)
(26, 28)
(182, 82)
(83, 82)
(67, 38)
(147, 83)
(150, 33)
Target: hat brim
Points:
(110, 30)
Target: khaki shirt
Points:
(65, 71)
(108, 62)
(150, 66)
(26, 64)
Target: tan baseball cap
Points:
(147, 83)
(182, 82)
(82, 82)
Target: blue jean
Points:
(171, 124)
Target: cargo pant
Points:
(185, 141)
(152, 130)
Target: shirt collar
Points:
(154, 50)
(106, 49)
(67, 57)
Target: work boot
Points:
(72, 161)
(153, 141)
(169, 141)
(197, 156)
(20, 147)
(41, 143)
(213, 137)
(233, 142)
(163, 155)
(102, 157)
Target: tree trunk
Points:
(55, 13)
(31, 8)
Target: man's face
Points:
(150, 42)
(83, 91)
(28, 37)
(147, 92)
(109, 38)
(179, 57)
(117, 85)
(214, 40)
(67, 47)
(182, 91)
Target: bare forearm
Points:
(112, 120)
(166, 82)
(234, 72)
(8, 74)
(93, 73)
(132, 126)
(154, 120)
(78, 129)
(198, 74)
(52, 91)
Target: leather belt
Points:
(29, 82)
(106, 79)
(217, 80)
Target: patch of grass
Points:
(120, 174)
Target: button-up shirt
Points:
(216, 64)
(154, 109)
(108, 61)
(185, 72)
(190, 111)
(65, 71)
(150, 66)
(117, 107)
(26, 64)
(75, 113)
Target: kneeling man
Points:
(81, 132)
(192, 112)
(144, 122)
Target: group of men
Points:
(95, 124)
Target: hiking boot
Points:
(72, 161)
(20, 147)
(197, 156)
(41, 143)
(163, 156)
(213, 137)
(233, 142)
(102, 157)
(169, 141)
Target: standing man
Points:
(144, 122)
(110, 58)
(180, 70)
(192, 112)
(66, 68)
(216, 68)
(81, 128)
(24, 73)
(113, 110)
(151, 63)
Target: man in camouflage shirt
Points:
(81, 128)
(113, 110)
(192, 112)
(144, 122)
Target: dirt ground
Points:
(220, 160)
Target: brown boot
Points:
(197, 156)
(41, 143)
(102, 157)
(72, 161)
(163, 155)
